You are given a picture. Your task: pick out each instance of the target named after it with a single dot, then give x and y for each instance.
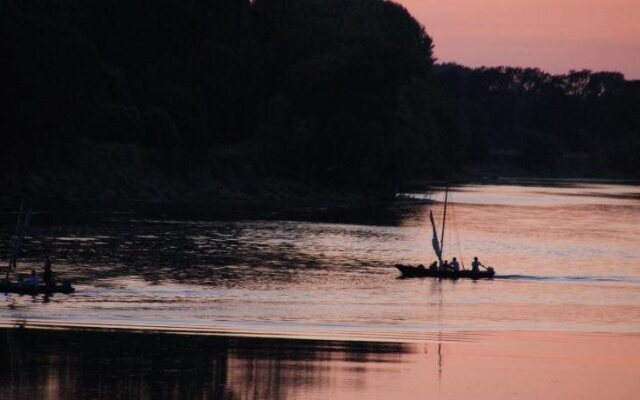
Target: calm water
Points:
(41, 365)
(567, 259)
(560, 321)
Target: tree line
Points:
(546, 122)
(339, 93)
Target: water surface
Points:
(37, 364)
(567, 259)
(192, 309)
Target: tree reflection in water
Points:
(38, 364)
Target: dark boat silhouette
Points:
(13, 287)
(440, 269)
(410, 271)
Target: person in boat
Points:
(47, 275)
(445, 266)
(33, 280)
(433, 266)
(476, 264)
(455, 266)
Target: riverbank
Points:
(39, 364)
(210, 183)
(222, 183)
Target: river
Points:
(566, 255)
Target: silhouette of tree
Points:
(334, 93)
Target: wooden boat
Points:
(439, 268)
(410, 271)
(21, 288)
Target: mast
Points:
(21, 230)
(444, 218)
(15, 235)
(11, 252)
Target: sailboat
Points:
(21, 287)
(436, 269)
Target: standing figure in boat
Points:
(47, 275)
(33, 279)
(455, 266)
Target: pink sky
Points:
(554, 35)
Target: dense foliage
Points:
(546, 123)
(331, 91)
(108, 96)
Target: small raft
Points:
(410, 271)
(21, 288)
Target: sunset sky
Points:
(555, 35)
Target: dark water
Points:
(90, 365)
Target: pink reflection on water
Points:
(500, 366)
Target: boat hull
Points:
(11, 287)
(410, 271)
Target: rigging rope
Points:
(454, 220)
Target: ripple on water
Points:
(563, 264)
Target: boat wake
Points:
(351, 332)
(570, 278)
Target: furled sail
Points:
(434, 240)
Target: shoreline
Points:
(519, 181)
(320, 206)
